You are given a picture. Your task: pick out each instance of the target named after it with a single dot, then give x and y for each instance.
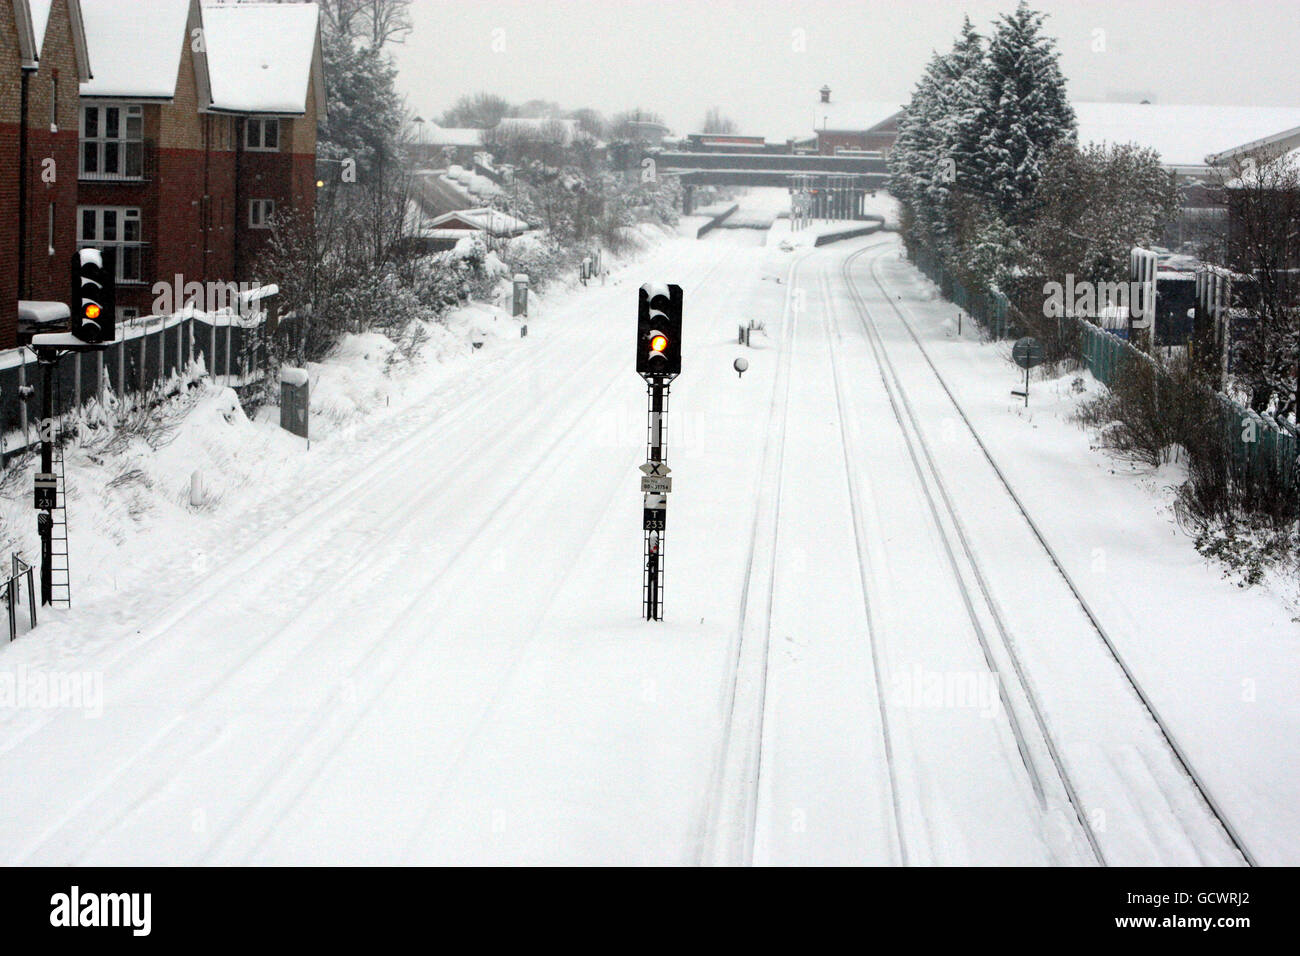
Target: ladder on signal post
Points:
(652, 574)
(60, 565)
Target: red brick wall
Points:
(52, 162)
(289, 178)
(10, 79)
(8, 233)
(219, 176)
(51, 155)
(51, 172)
(827, 143)
(194, 210)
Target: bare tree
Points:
(342, 17)
(389, 20)
(378, 22)
(716, 122)
(476, 111)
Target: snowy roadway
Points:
(442, 660)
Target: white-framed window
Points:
(260, 212)
(53, 217)
(126, 313)
(262, 135)
(112, 141)
(117, 227)
(54, 104)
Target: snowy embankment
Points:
(142, 528)
(1219, 663)
(430, 649)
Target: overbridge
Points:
(837, 182)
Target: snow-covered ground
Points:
(420, 639)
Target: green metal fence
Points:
(1262, 447)
(990, 308)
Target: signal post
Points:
(93, 314)
(658, 361)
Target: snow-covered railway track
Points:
(1008, 644)
(852, 454)
(945, 517)
(731, 826)
(242, 841)
(149, 772)
(731, 808)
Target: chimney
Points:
(826, 94)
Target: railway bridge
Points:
(835, 187)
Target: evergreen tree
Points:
(1023, 112)
(931, 164)
(365, 112)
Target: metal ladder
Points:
(60, 565)
(654, 548)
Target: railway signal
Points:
(658, 361)
(94, 296)
(659, 330)
(92, 311)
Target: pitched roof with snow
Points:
(262, 56)
(32, 18)
(136, 47)
(1185, 135)
(849, 116)
(1269, 174)
(451, 136)
(489, 220)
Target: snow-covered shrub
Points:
(538, 256)
(1241, 514)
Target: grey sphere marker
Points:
(741, 365)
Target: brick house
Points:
(43, 60)
(11, 65)
(267, 73)
(200, 125)
(852, 126)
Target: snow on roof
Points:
(489, 220)
(852, 116)
(1266, 175)
(451, 136)
(42, 313)
(1183, 134)
(457, 234)
(136, 47)
(261, 55)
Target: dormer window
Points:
(262, 135)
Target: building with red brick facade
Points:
(43, 59)
(195, 128)
(853, 126)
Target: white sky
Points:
(679, 57)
